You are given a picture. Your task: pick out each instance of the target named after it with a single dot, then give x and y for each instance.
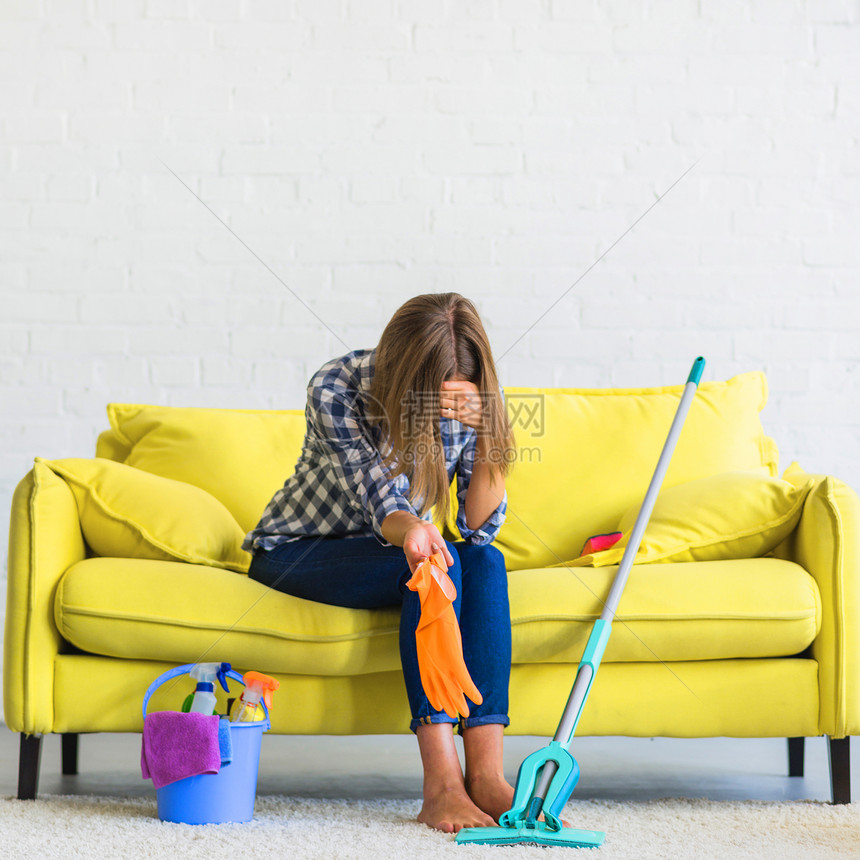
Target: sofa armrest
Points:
(44, 541)
(826, 543)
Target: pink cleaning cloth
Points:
(177, 745)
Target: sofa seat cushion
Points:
(188, 613)
(185, 613)
(709, 610)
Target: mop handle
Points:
(600, 634)
(611, 605)
(603, 626)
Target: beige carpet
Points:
(286, 827)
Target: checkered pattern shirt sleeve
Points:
(354, 461)
(341, 485)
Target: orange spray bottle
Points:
(247, 708)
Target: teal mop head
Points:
(540, 834)
(534, 796)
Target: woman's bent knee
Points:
(486, 555)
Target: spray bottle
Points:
(202, 700)
(257, 686)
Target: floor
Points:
(388, 766)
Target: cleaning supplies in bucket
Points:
(204, 768)
(202, 700)
(257, 686)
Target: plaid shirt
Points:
(341, 485)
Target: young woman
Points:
(387, 430)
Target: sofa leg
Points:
(70, 753)
(795, 756)
(840, 769)
(29, 754)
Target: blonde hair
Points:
(431, 339)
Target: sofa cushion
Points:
(173, 612)
(129, 513)
(239, 456)
(733, 515)
(585, 457)
(709, 610)
(185, 613)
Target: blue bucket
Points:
(215, 798)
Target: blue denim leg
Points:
(485, 625)
(356, 572)
(361, 573)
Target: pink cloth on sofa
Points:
(177, 745)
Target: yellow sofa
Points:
(741, 617)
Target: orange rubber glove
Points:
(444, 675)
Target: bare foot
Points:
(450, 810)
(493, 794)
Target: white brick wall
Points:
(362, 151)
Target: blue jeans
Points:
(361, 573)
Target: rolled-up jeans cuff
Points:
(488, 720)
(433, 718)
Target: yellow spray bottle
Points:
(247, 708)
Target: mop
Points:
(547, 777)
